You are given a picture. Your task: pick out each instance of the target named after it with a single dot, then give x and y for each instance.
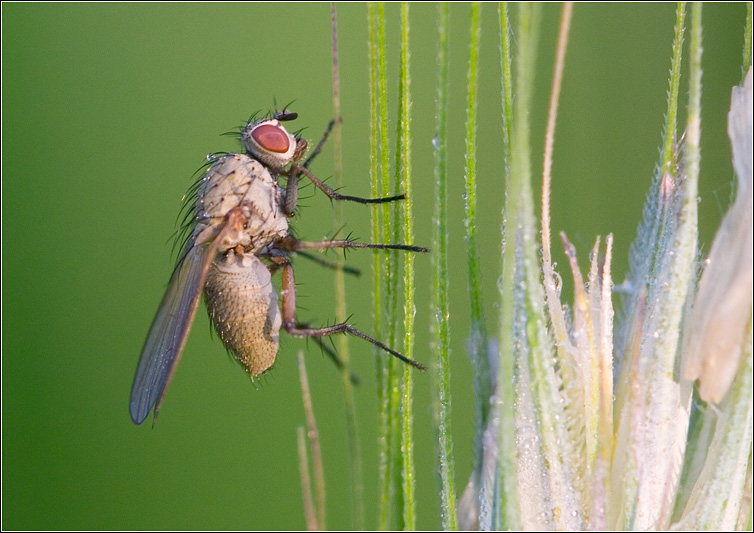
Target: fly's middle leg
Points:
(292, 244)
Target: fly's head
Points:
(269, 142)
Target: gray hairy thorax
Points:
(237, 180)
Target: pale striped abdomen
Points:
(243, 307)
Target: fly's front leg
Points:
(296, 169)
(321, 143)
(291, 194)
(294, 328)
(301, 169)
(291, 185)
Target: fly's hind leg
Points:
(299, 330)
(332, 354)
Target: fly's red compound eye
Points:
(272, 138)
(268, 142)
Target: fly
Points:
(238, 239)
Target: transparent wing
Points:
(169, 331)
(167, 336)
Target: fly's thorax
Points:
(237, 180)
(243, 307)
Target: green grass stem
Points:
(306, 486)
(388, 230)
(545, 383)
(657, 410)
(478, 334)
(315, 513)
(747, 41)
(441, 311)
(506, 513)
(377, 99)
(404, 165)
(377, 143)
(675, 80)
(357, 483)
(392, 223)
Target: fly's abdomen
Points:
(243, 307)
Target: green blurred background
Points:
(108, 109)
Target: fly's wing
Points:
(169, 331)
(167, 336)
